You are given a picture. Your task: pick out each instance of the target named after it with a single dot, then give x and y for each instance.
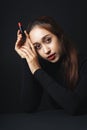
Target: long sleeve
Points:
(71, 101)
(30, 93)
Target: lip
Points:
(51, 57)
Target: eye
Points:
(37, 46)
(48, 40)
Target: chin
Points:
(55, 60)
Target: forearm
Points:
(64, 97)
(30, 93)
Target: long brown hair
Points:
(69, 52)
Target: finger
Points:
(22, 56)
(19, 37)
(30, 43)
(17, 44)
(27, 50)
(19, 52)
(33, 48)
(25, 54)
(27, 35)
(18, 32)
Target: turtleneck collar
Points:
(45, 63)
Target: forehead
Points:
(37, 33)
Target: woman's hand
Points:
(27, 51)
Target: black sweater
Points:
(47, 88)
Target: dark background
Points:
(70, 14)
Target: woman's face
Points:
(46, 44)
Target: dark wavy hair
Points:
(69, 52)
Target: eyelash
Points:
(37, 47)
(48, 40)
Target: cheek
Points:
(58, 48)
(55, 46)
(40, 53)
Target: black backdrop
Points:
(71, 15)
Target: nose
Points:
(46, 49)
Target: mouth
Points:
(51, 57)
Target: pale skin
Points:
(40, 41)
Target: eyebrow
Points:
(43, 39)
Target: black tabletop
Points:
(47, 120)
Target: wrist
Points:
(35, 69)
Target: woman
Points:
(55, 75)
